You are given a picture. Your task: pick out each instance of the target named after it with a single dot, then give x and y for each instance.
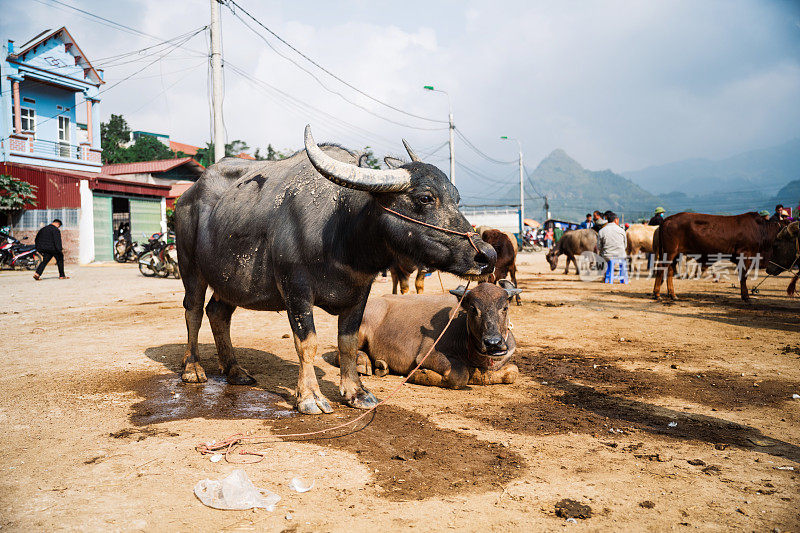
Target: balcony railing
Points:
(54, 149)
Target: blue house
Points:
(48, 85)
(50, 137)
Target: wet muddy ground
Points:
(629, 415)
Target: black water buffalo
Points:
(398, 331)
(311, 230)
(786, 254)
(572, 244)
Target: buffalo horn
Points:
(411, 153)
(353, 177)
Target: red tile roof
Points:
(187, 149)
(245, 155)
(146, 167)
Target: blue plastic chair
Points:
(616, 270)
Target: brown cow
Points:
(745, 235)
(572, 244)
(506, 257)
(397, 331)
(640, 241)
(401, 271)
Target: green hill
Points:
(573, 191)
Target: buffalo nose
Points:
(486, 257)
(495, 341)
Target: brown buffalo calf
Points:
(506, 257)
(747, 235)
(397, 332)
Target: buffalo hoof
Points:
(655, 296)
(381, 368)
(239, 376)
(363, 399)
(193, 373)
(314, 405)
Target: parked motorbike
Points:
(125, 251)
(531, 242)
(15, 254)
(160, 257)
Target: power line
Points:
(304, 56)
(320, 82)
(479, 152)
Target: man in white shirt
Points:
(612, 241)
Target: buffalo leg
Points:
(193, 302)
(219, 316)
(658, 265)
(569, 258)
(350, 386)
(513, 272)
(507, 374)
(439, 371)
(670, 275)
(746, 263)
(419, 283)
(310, 400)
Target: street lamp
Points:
(452, 131)
(521, 186)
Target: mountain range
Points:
(753, 180)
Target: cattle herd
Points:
(316, 228)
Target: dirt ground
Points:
(657, 416)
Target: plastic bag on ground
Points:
(234, 492)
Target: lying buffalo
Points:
(399, 330)
(311, 230)
(572, 244)
(786, 254)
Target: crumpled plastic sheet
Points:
(234, 492)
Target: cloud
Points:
(617, 84)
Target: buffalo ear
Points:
(459, 291)
(510, 288)
(393, 162)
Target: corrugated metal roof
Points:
(146, 167)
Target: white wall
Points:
(86, 225)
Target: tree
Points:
(368, 158)
(205, 156)
(15, 195)
(147, 148)
(113, 135)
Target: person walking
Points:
(658, 217)
(48, 243)
(612, 242)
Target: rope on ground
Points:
(231, 443)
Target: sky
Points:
(616, 84)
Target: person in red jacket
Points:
(48, 243)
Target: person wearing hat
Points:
(658, 217)
(764, 213)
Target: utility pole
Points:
(218, 134)
(546, 209)
(452, 128)
(521, 185)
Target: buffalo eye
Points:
(425, 199)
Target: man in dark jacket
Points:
(48, 243)
(658, 217)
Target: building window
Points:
(28, 119)
(26, 100)
(63, 129)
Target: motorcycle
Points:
(531, 242)
(15, 254)
(160, 257)
(125, 251)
